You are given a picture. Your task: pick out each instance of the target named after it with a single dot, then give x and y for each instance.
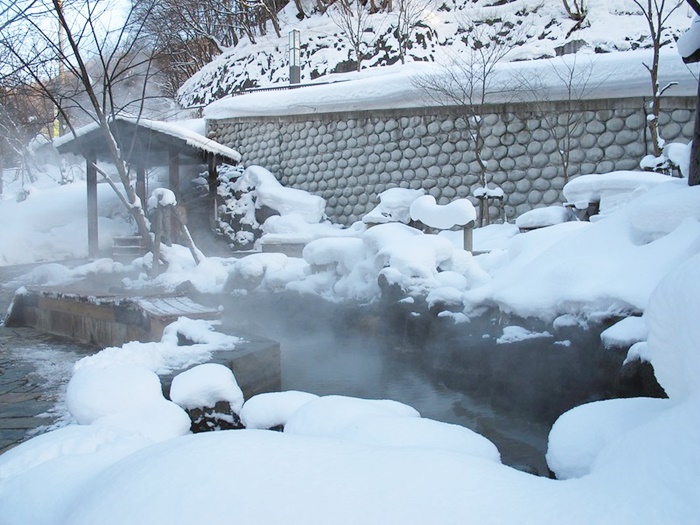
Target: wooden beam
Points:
(174, 172)
(93, 241)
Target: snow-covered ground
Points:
(131, 458)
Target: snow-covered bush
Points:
(253, 195)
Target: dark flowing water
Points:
(509, 393)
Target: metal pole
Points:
(294, 57)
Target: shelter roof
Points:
(145, 141)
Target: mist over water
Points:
(351, 350)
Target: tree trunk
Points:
(694, 175)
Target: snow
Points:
(579, 435)
(336, 416)
(542, 217)
(204, 385)
(611, 190)
(669, 320)
(272, 409)
(96, 392)
(395, 87)
(161, 197)
(164, 356)
(394, 206)
(457, 213)
(689, 42)
(57, 218)
(514, 334)
(625, 333)
(281, 199)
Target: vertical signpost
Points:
(294, 57)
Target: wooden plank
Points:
(104, 312)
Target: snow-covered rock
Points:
(204, 386)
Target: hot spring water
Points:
(453, 373)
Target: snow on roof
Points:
(184, 131)
(190, 131)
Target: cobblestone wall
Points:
(349, 158)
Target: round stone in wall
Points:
(671, 131)
(605, 166)
(507, 163)
(499, 177)
(541, 184)
(635, 121)
(515, 199)
(523, 186)
(550, 197)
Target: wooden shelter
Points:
(143, 144)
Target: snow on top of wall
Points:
(612, 75)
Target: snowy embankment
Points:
(50, 224)
(611, 76)
(532, 31)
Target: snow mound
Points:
(611, 190)
(273, 409)
(579, 435)
(625, 333)
(676, 365)
(281, 199)
(543, 217)
(204, 385)
(335, 416)
(97, 392)
(157, 421)
(394, 206)
(457, 213)
(397, 431)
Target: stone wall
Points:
(350, 158)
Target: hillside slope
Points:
(531, 29)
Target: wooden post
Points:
(174, 182)
(213, 187)
(93, 241)
(469, 236)
(141, 183)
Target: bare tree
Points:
(576, 9)
(657, 13)
(410, 14)
(572, 84)
(467, 81)
(354, 20)
(84, 92)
